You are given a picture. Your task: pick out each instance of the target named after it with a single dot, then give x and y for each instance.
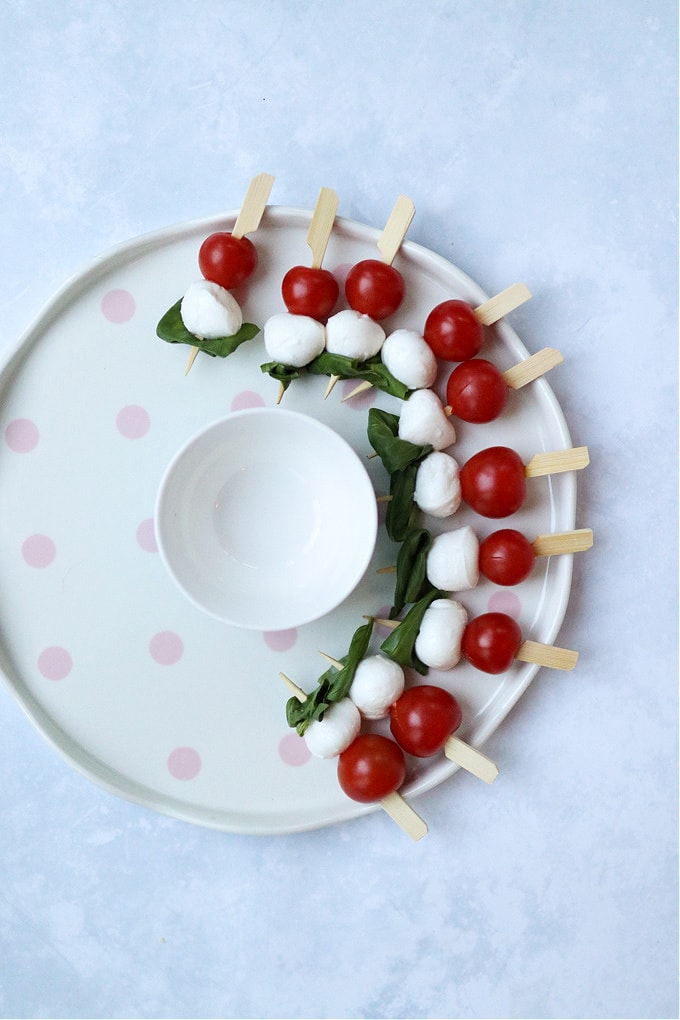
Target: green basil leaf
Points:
(371, 370)
(284, 374)
(332, 686)
(412, 583)
(383, 435)
(400, 645)
(171, 328)
(402, 513)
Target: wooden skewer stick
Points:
(557, 461)
(563, 542)
(388, 244)
(502, 304)
(533, 368)
(393, 804)
(321, 226)
(547, 655)
(394, 231)
(471, 759)
(455, 749)
(247, 221)
(488, 313)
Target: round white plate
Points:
(138, 689)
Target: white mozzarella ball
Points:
(409, 358)
(441, 633)
(293, 339)
(423, 421)
(437, 490)
(340, 725)
(209, 311)
(354, 335)
(453, 560)
(377, 684)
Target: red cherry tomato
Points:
(309, 291)
(374, 288)
(491, 642)
(493, 482)
(506, 557)
(423, 719)
(371, 767)
(453, 331)
(227, 260)
(476, 391)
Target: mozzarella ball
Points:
(340, 725)
(438, 491)
(424, 422)
(293, 339)
(354, 335)
(209, 311)
(378, 683)
(441, 633)
(453, 560)
(409, 358)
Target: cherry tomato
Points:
(227, 260)
(506, 557)
(423, 719)
(309, 291)
(374, 288)
(371, 767)
(493, 482)
(453, 331)
(491, 642)
(476, 391)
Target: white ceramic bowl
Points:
(266, 519)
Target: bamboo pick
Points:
(557, 461)
(502, 304)
(388, 244)
(563, 542)
(533, 368)
(393, 804)
(254, 205)
(455, 749)
(470, 759)
(547, 655)
(360, 388)
(394, 231)
(321, 226)
(247, 221)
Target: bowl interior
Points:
(267, 519)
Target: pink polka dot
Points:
(247, 398)
(505, 602)
(184, 763)
(361, 402)
(146, 536)
(133, 421)
(38, 550)
(293, 750)
(55, 663)
(280, 640)
(21, 435)
(118, 306)
(166, 648)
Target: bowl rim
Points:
(162, 515)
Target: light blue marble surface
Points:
(538, 141)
